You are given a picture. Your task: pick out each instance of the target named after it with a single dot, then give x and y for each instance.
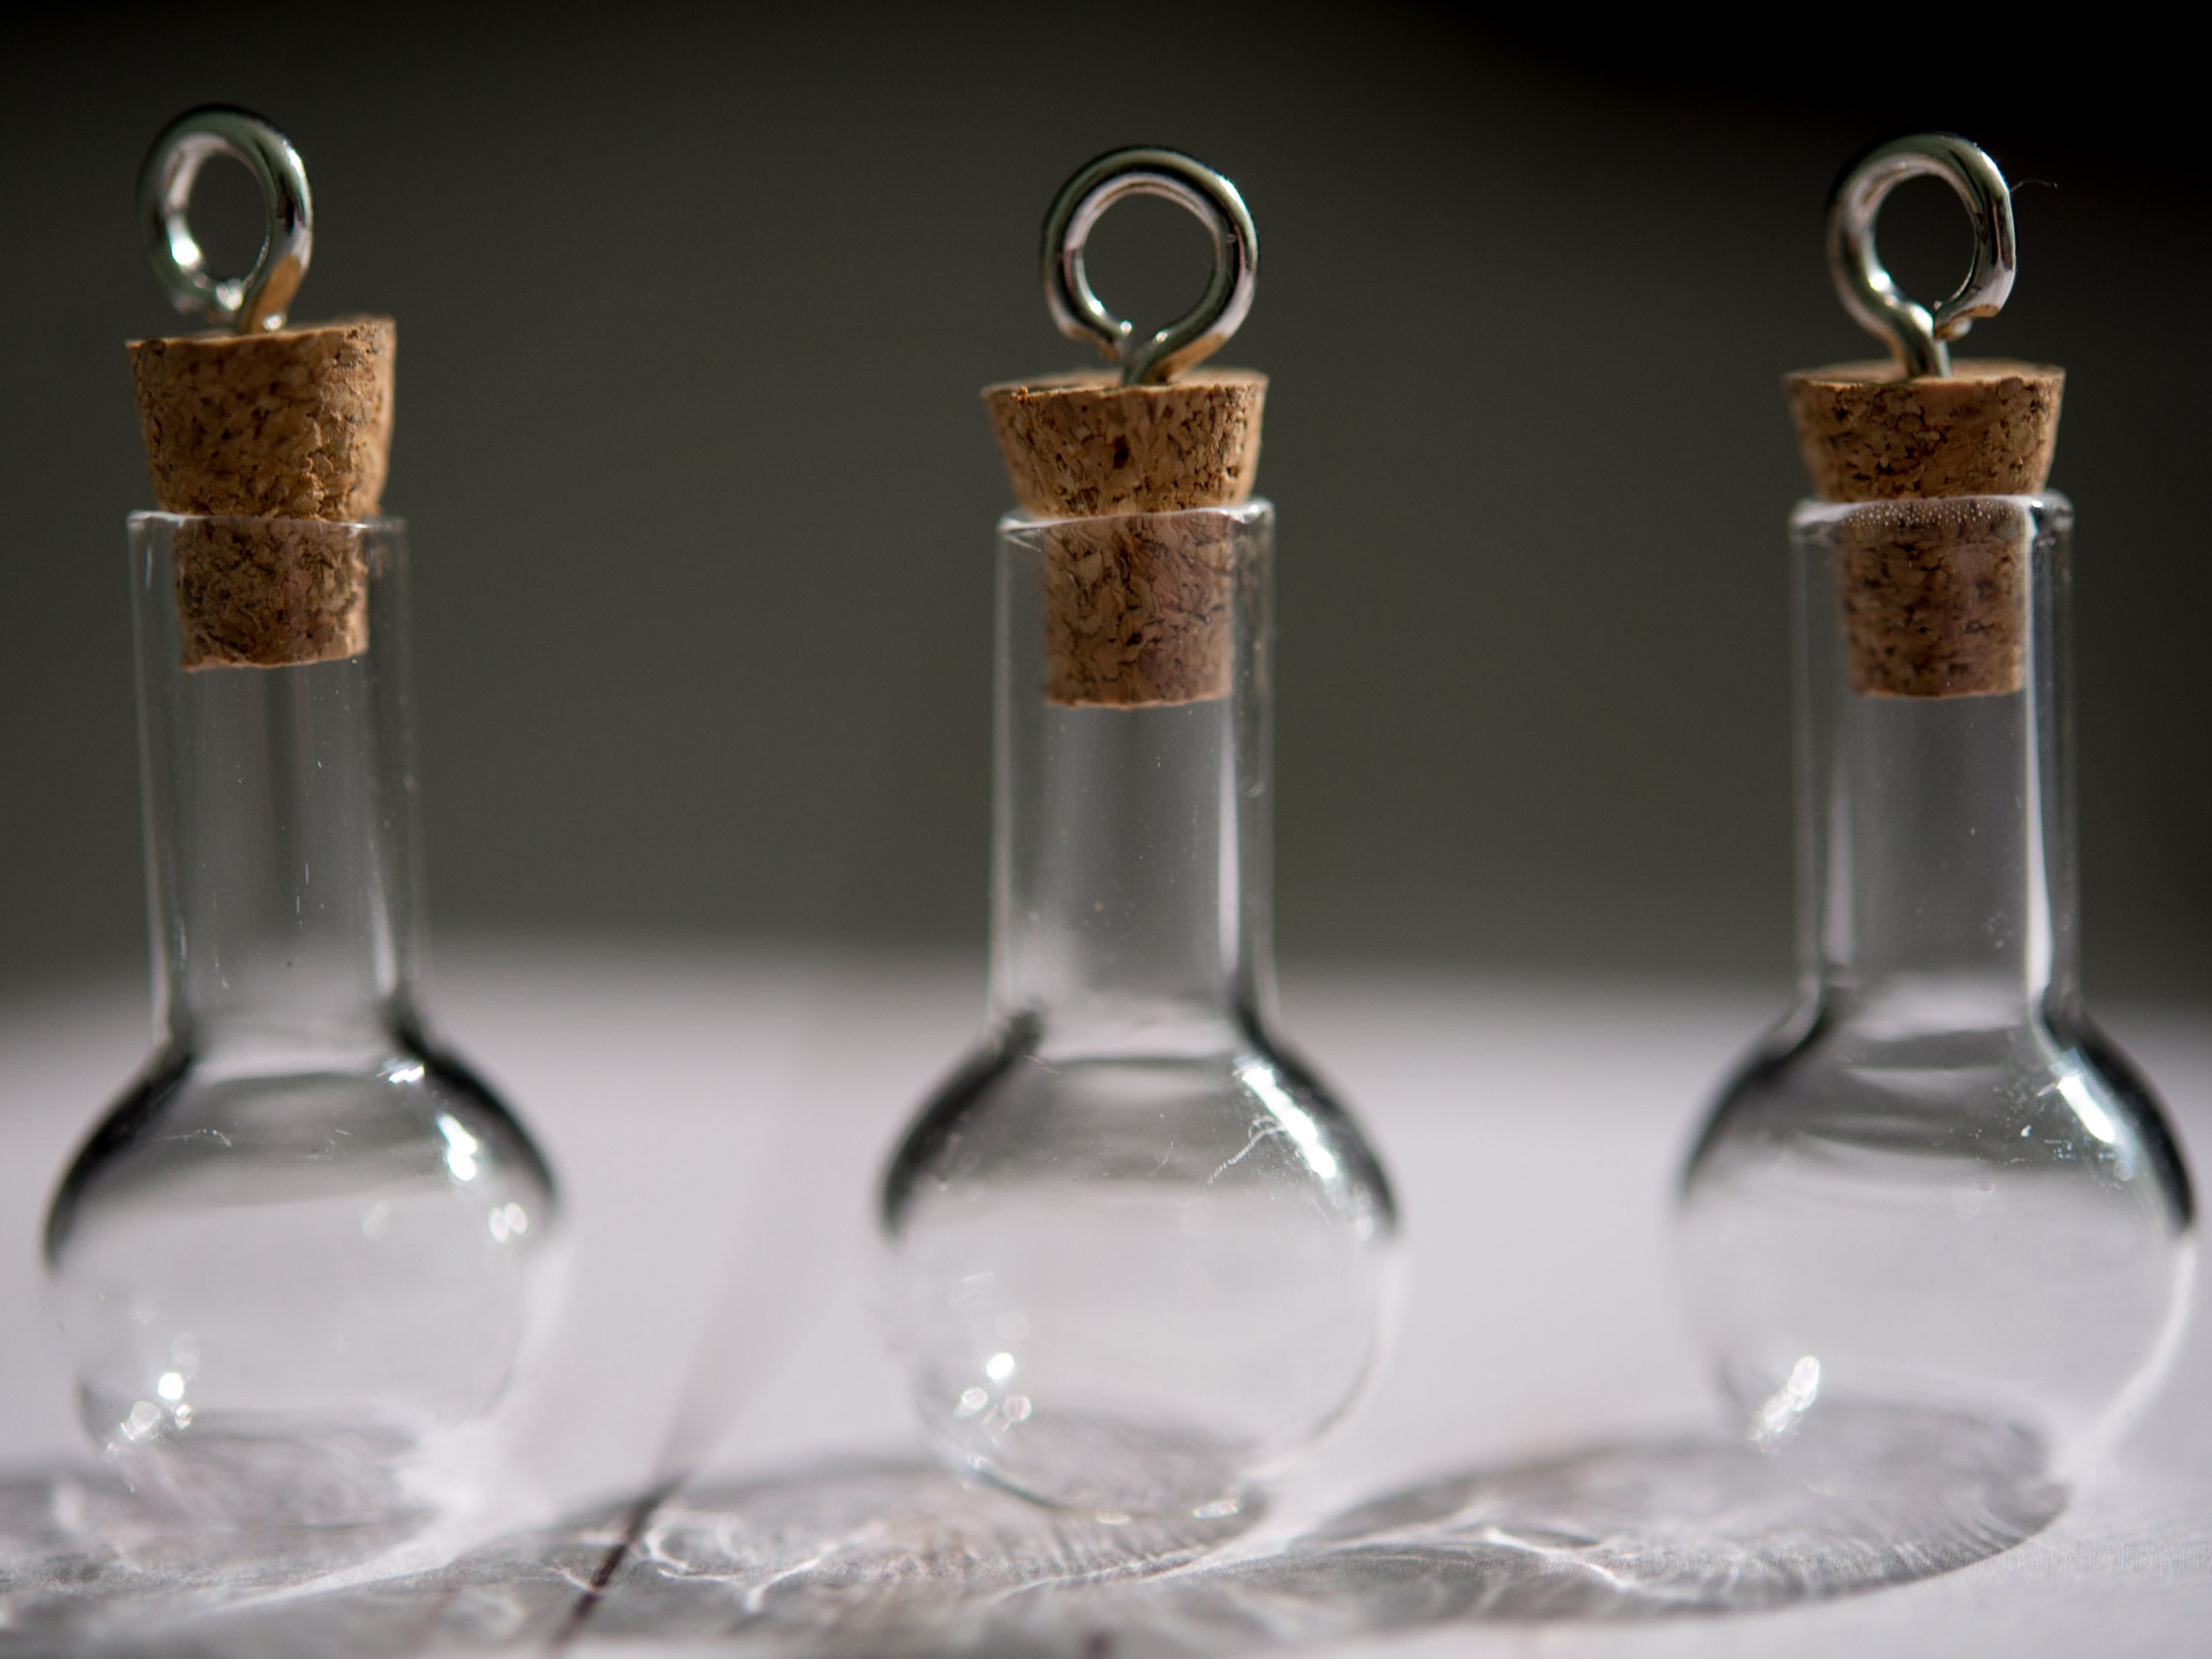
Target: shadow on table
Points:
(900, 1559)
(78, 1552)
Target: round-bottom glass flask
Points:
(1937, 1185)
(1136, 1257)
(306, 1249)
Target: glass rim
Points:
(1812, 514)
(384, 524)
(1249, 511)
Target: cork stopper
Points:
(1934, 590)
(279, 441)
(1140, 611)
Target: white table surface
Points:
(717, 1120)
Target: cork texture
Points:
(1140, 611)
(1987, 429)
(1080, 446)
(282, 436)
(1934, 597)
(1934, 590)
(270, 592)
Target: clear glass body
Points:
(1137, 1255)
(1937, 1183)
(307, 1245)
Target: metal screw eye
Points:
(1084, 199)
(1915, 334)
(256, 301)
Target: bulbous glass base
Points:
(1992, 1221)
(1134, 1284)
(283, 1290)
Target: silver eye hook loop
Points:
(1191, 339)
(1916, 333)
(256, 301)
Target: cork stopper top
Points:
(1082, 445)
(257, 421)
(1138, 609)
(1922, 427)
(270, 443)
(1159, 436)
(1932, 591)
(295, 423)
(1988, 427)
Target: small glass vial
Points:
(307, 1245)
(1937, 1190)
(306, 1249)
(1137, 1257)
(1938, 1185)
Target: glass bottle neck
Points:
(1937, 828)
(279, 831)
(1131, 883)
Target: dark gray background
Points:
(693, 308)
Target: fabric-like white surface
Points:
(718, 1121)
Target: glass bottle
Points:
(1937, 1186)
(1137, 1257)
(306, 1246)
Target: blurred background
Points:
(694, 304)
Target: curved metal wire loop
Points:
(1084, 199)
(256, 301)
(1913, 330)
